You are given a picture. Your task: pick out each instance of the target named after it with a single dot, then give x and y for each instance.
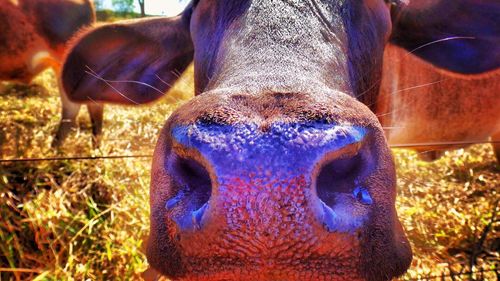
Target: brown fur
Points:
(34, 36)
(20, 43)
(23, 37)
(224, 174)
(421, 104)
(119, 43)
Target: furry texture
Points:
(225, 201)
(473, 24)
(132, 62)
(422, 104)
(31, 28)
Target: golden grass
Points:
(86, 220)
(446, 207)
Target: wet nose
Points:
(265, 177)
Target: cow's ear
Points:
(130, 62)
(458, 35)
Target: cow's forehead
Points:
(231, 5)
(266, 43)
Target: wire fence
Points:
(74, 158)
(435, 145)
(442, 144)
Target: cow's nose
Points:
(267, 177)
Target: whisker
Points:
(410, 52)
(92, 73)
(406, 89)
(176, 73)
(92, 100)
(419, 86)
(369, 89)
(163, 81)
(441, 40)
(169, 86)
(393, 128)
(133, 82)
(388, 113)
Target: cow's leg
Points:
(96, 115)
(68, 119)
(431, 155)
(495, 138)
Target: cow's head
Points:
(277, 170)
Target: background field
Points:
(86, 220)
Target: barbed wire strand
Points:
(441, 144)
(77, 158)
(82, 158)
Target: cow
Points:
(278, 168)
(434, 109)
(34, 36)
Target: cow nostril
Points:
(363, 195)
(195, 176)
(194, 188)
(338, 177)
(343, 197)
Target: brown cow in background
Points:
(437, 94)
(34, 36)
(432, 109)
